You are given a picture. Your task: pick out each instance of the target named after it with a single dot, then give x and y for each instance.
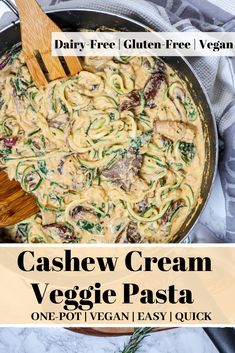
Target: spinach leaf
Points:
(42, 167)
(90, 227)
(142, 139)
(187, 151)
(22, 232)
(20, 86)
(190, 109)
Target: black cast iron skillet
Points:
(75, 19)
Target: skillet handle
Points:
(223, 338)
(11, 6)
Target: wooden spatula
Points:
(36, 31)
(15, 204)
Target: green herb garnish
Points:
(142, 139)
(43, 167)
(187, 151)
(90, 227)
(134, 343)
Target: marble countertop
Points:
(59, 340)
(210, 228)
(211, 224)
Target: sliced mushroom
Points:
(177, 95)
(132, 233)
(9, 141)
(176, 91)
(158, 66)
(76, 210)
(132, 100)
(152, 87)
(142, 205)
(79, 213)
(60, 166)
(65, 233)
(122, 172)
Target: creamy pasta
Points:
(113, 154)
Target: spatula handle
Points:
(28, 9)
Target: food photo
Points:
(101, 166)
(115, 150)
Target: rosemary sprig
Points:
(134, 343)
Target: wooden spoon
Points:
(36, 31)
(15, 204)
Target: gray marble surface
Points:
(210, 228)
(211, 224)
(59, 340)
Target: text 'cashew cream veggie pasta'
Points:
(113, 154)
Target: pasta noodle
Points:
(113, 154)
